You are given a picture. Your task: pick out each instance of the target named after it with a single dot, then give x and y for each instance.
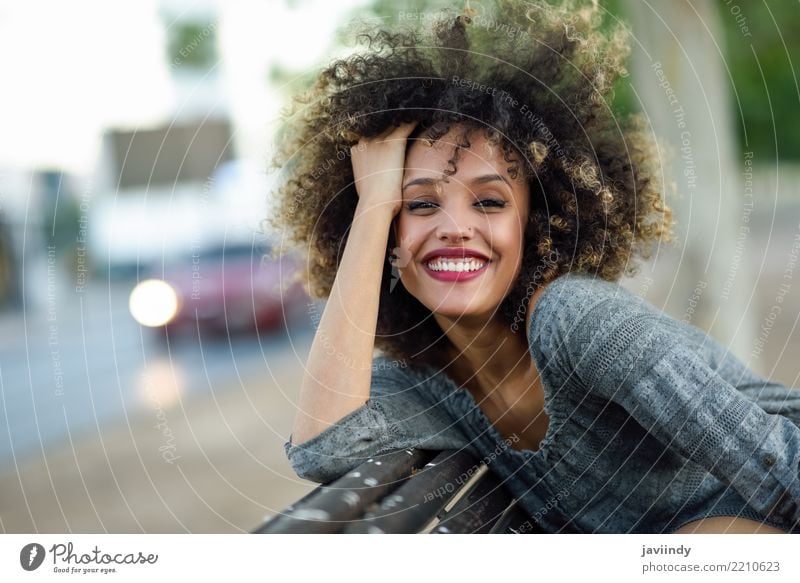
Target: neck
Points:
(487, 353)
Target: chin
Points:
(453, 309)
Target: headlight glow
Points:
(153, 302)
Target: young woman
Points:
(469, 203)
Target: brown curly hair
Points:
(539, 84)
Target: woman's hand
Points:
(378, 165)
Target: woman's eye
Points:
(492, 202)
(419, 204)
(484, 203)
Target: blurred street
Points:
(122, 431)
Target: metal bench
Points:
(407, 491)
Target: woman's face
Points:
(479, 213)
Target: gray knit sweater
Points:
(652, 422)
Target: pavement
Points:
(209, 464)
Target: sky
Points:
(75, 68)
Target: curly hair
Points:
(539, 84)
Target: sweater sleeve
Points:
(394, 417)
(624, 350)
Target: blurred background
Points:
(150, 348)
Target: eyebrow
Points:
(475, 181)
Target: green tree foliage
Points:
(762, 41)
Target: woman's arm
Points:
(627, 352)
(396, 416)
(338, 370)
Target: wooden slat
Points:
(476, 512)
(419, 501)
(334, 506)
(261, 529)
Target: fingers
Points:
(394, 132)
(405, 129)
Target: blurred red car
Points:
(230, 289)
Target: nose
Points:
(452, 228)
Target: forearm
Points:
(339, 366)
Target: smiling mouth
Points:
(454, 265)
(452, 269)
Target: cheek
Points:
(506, 238)
(511, 253)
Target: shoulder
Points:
(597, 330)
(585, 324)
(576, 300)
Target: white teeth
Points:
(440, 264)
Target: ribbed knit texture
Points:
(652, 422)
